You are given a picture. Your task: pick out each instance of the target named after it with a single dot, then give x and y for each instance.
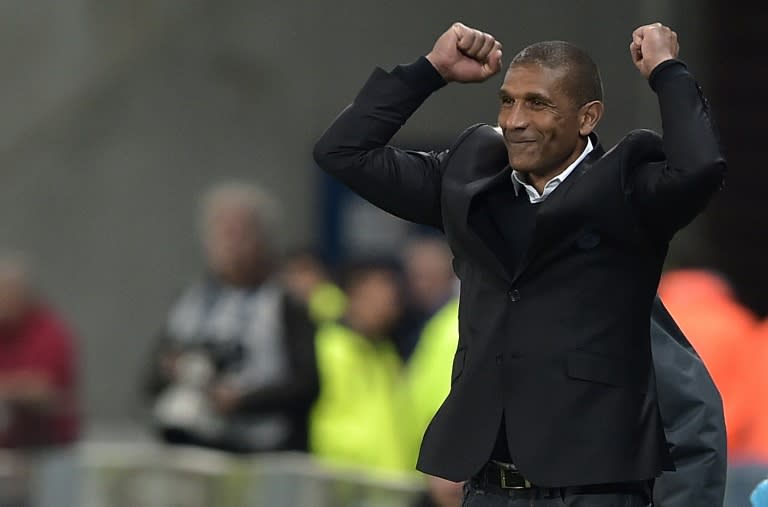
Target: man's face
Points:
(430, 277)
(539, 120)
(374, 302)
(302, 275)
(234, 243)
(14, 299)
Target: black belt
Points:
(502, 475)
(507, 477)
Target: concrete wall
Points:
(118, 113)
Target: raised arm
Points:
(354, 148)
(672, 193)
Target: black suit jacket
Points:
(559, 342)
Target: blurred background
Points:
(118, 117)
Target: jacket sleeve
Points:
(692, 413)
(354, 148)
(671, 193)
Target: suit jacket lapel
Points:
(553, 220)
(482, 240)
(485, 242)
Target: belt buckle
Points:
(508, 468)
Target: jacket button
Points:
(514, 295)
(499, 359)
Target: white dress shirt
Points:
(519, 178)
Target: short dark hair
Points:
(357, 269)
(583, 83)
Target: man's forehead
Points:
(533, 78)
(534, 71)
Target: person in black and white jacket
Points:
(235, 368)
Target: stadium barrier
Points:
(153, 475)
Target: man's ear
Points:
(589, 116)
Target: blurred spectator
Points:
(427, 383)
(429, 340)
(235, 365)
(721, 330)
(758, 439)
(430, 285)
(307, 278)
(39, 419)
(356, 420)
(751, 466)
(428, 372)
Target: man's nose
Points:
(514, 117)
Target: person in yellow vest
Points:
(430, 284)
(356, 419)
(429, 348)
(428, 373)
(426, 384)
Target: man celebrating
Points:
(559, 247)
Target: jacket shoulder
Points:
(640, 147)
(479, 138)
(477, 132)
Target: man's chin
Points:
(521, 161)
(521, 165)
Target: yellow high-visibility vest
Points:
(428, 373)
(356, 419)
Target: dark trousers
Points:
(475, 496)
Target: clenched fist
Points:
(651, 45)
(466, 55)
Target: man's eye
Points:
(506, 100)
(538, 103)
